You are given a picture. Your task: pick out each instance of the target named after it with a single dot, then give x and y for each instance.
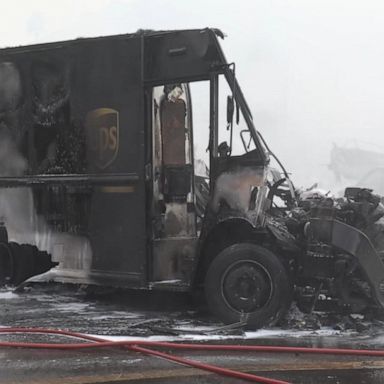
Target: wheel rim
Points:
(246, 286)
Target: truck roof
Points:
(80, 40)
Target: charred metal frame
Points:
(356, 243)
(217, 66)
(214, 119)
(91, 179)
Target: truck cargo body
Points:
(76, 110)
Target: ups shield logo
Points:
(102, 126)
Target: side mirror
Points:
(230, 110)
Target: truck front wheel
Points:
(246, 282)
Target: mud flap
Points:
(355, 243)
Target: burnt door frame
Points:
(172, 207)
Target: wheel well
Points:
(222, 236)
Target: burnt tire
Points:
(246, 282)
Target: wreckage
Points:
(98, 185)
(358, 166)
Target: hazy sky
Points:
(312, 71)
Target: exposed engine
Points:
(329, 276)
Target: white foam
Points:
(263, 333)
(8, 295)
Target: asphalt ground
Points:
(164, 316)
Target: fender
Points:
(272, 227)
(221, 231)
(356, 243)
(225, 219)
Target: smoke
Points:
(17, 211)
(16, 204)
(10, 90)
(11, 162)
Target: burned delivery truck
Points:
(99, 185)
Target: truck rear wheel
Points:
(246, 282)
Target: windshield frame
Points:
(245, 111)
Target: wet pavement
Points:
(170, 317)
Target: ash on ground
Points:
(156, 315)
(361, 323)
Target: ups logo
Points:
(102, 126)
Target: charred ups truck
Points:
(99, 184)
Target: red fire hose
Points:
(140, 346)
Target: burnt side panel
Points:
(77, 109)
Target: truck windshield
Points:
(238, 139)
